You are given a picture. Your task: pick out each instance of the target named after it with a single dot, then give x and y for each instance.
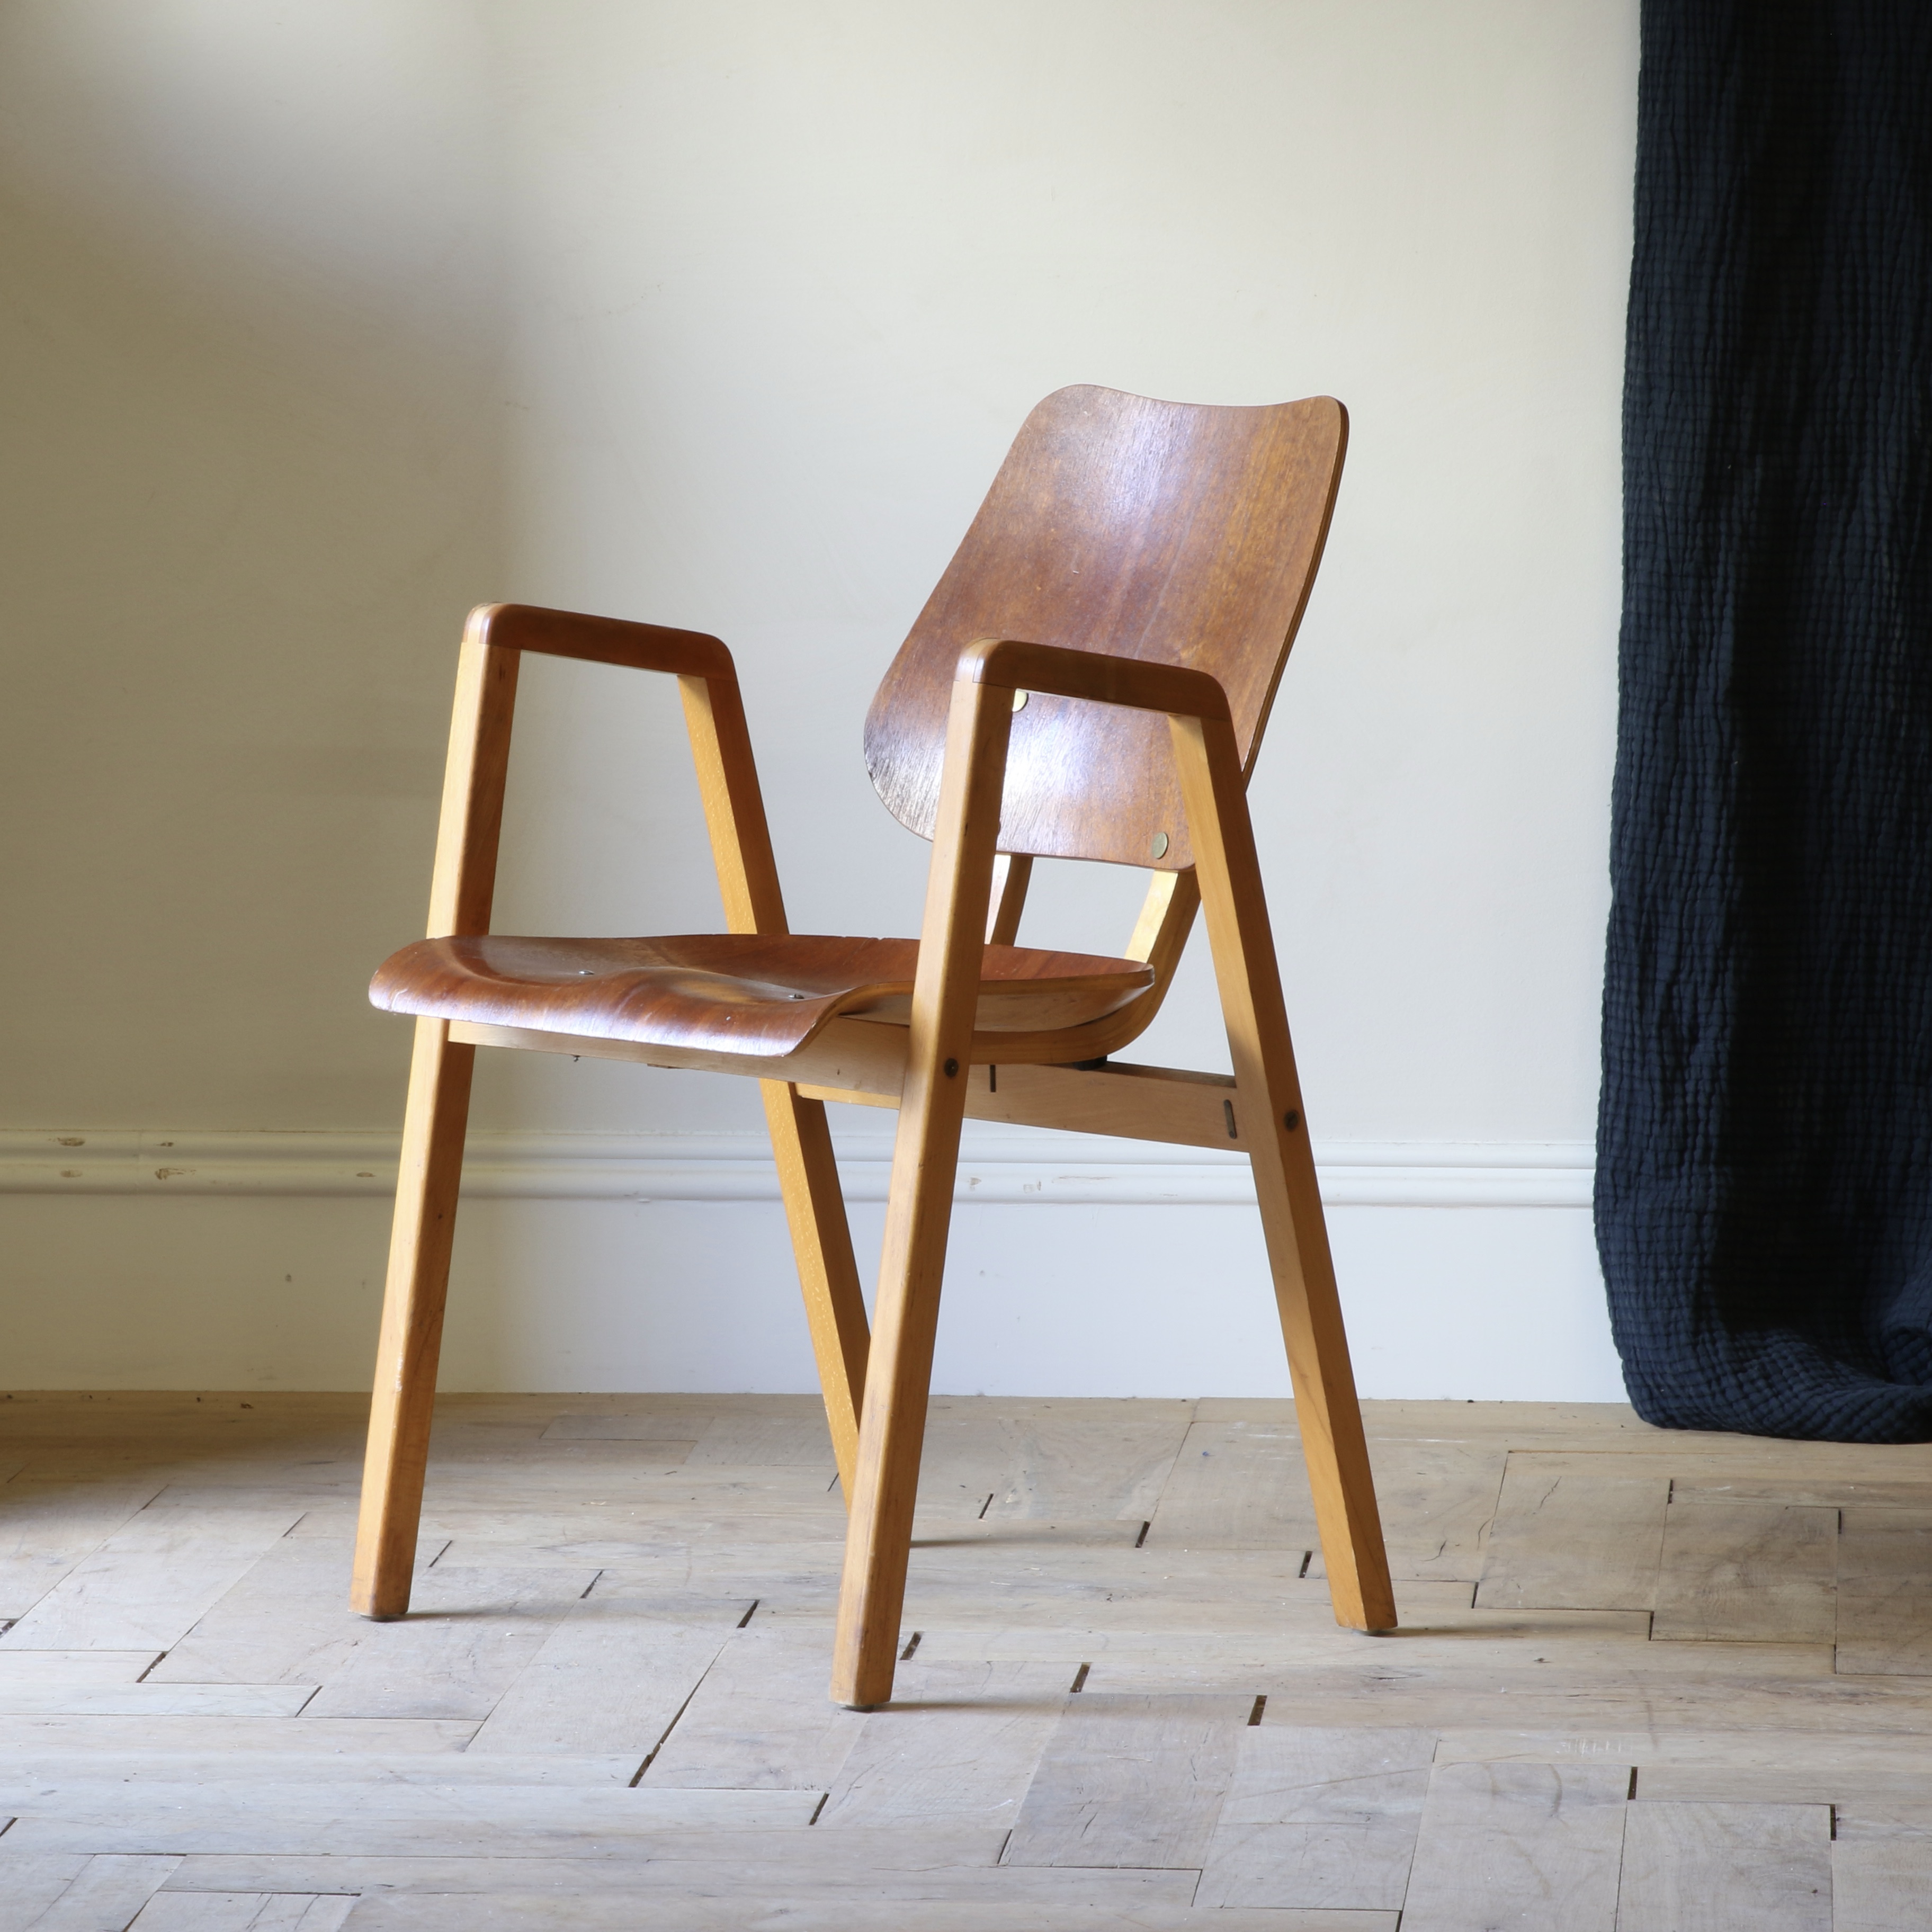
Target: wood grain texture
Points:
(1306, 1299)
(612, 1677)
(1880, 1880)
(1319, 1817)
(764, 995)
(918, 1210)
(518, 1822)
(1237, 1484)
(759, 1721)
(1571, 1534)
(104, 1895)
(828, 1271)
(408, 1346)
(149, 1583)
(1130, 1780)
(1697, 1868)
(1885, 1592)
(1155, 531)
(970, 1758)
(1747, 1573)
(1534, 1847)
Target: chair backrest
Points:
(1187, 534)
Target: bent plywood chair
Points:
(1090, 680)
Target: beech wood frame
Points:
(936, 1070)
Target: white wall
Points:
(330, 320)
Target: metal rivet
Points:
(952, 1068)
(1019, 699)
(1291, 1119)
(1157, 846)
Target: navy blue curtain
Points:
(1764, 1190)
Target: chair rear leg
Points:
(411, 1336)
(892, 1430)
(821, 1238)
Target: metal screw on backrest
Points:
(952, 1068)
(1157, 846)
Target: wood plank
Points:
(465, 1821)
(205, 1912)
(1053, 1461)
(1237, 1484)
(150, 1581)
(771, 1855)
(105, 1894)
(1825, 1492)
(613, 1676)
(420, 1912)
(285, 1620)
(1719, 1748)
(1130, 1780)
(288, 1912)
(1846, 1785)
(1698, 1868)
(1880, 1880)
(1568, 1536)
(151, 1700)
(778, 1873)
(671, 1437)
(20, 1668)
(471, 1633)
(48, 1526)
(1747, 1573)
(761, 1720)
(1438, 1501)
(1885, 1592)
(1534, 1847)
(959, 1744)
(736, 1440)
(20, 1737)
(1319, 1817)
(35, 1771)
(29, 1885)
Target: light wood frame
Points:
(936, 1071)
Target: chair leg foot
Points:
(413, 1305)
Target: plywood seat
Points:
(749, 993)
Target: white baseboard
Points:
(1002, 1166)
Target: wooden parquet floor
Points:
(1647, 1682)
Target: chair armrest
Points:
(565, 634)
(1010, 663)
(494, 641)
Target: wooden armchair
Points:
(1090, 680)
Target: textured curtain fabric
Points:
(1764, 1192)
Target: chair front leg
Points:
(412, 1337)
(919, 1213)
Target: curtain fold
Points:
(1764, 1190)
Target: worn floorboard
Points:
(1644, 1679)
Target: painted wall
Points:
(327, 320)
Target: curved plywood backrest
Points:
(1186, 535)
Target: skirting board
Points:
(1002, 1167)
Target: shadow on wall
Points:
(255, 431)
